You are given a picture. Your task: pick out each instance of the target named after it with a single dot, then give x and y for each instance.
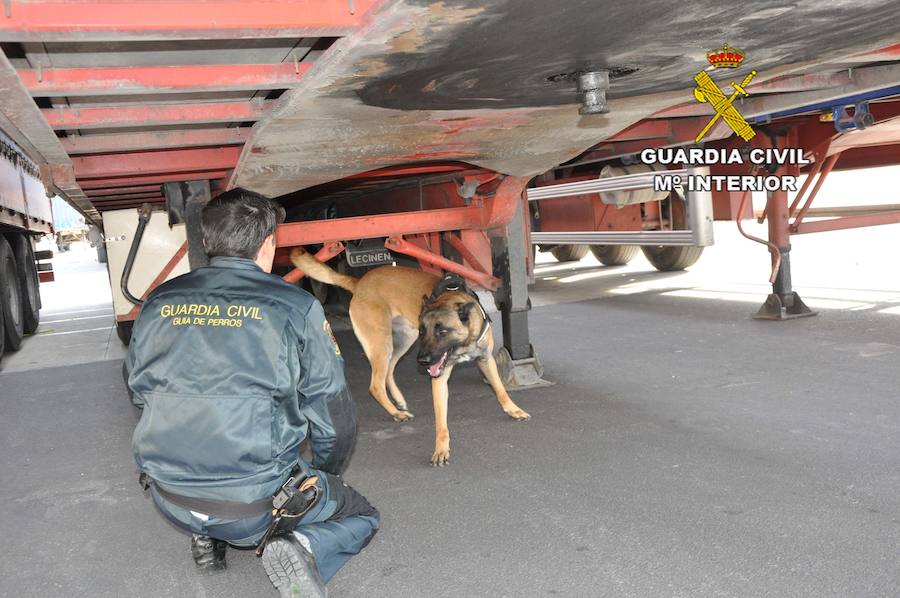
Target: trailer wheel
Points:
(11, 290)
(28, 278)
(668, 259)
(614, 255)
(123, 331)
(671, 258)
(2, 325)
(569, 253)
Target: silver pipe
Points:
(699, 206)
(627, 182)
(656, 237)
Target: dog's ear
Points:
(463, 311)
(425, 300)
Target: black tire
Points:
(669, 259)
(569, 253)
(123, 331)
(2, 325)
(11, 289)
(28, 278)
(672, 258)
(614, 255)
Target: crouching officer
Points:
(234, 368)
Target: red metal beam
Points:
(153, 115)
(157, 194)
(382, 225)
(99, 194)
(162, 162)
(482, 279)
(497, 210)
(133, 201)
(129, 204)
(59, 82)
(819, 226)
(125, 206)
(131, 181)
(105, 20)
(400, 171)
(888, 53)
(826, 170)
(130, 142)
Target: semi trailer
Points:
(456, 136)
(25, 214)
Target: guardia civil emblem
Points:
(708, 90)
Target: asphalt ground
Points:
(684, 450)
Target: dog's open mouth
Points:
(435, 369)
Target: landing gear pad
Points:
(521, 374)
(783, 307)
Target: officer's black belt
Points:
(215, 508)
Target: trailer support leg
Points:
(783, 303)
(517, 361)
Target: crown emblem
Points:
(725, 57)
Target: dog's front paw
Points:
(440, 457)
(403, 416)
(518, 415)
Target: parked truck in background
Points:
(25, 214)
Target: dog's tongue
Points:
(435, 370)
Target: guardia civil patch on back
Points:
(327, 327)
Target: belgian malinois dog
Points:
(390, 308)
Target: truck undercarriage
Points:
(419, 126)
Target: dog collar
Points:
(485, 322)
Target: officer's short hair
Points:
(236, 223)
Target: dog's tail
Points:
(321, 272)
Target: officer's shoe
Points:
(209, 554)
(292, 568)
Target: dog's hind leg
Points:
(372, 325)
(488, 367)
(404, 335)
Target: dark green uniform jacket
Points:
(234, 368)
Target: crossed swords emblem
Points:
(708, 91)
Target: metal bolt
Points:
(593, 86)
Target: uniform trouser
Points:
(339, 525)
